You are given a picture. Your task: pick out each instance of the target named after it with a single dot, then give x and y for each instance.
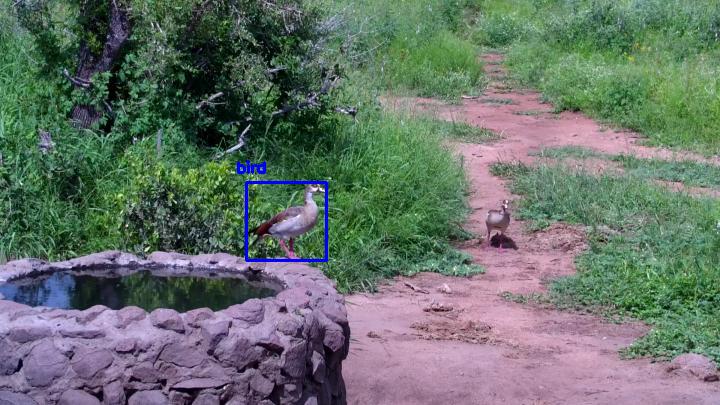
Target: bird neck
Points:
(309, 198)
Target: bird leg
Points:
(292, 248)
(288, 253)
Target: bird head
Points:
(314, 188)
(505, 204)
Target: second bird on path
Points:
(291, 223)
(498, 220)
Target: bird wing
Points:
(289, 213)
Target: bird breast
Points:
(498, 219)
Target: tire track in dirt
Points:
(488, 350)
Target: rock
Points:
(318, 367)
(9, 360)
(169, 319)
(194, 317)
(77, 397)
(155, 397)
(237, 352)
(695, 365)
(29, 333)
(334, 337)
(91, 313)
(182, 355)
(200, 383)
(80, 332)
(261, 385)
(114, 394)
(290, 327)
(206, 399)
(13, 398)
(179, 398)
(145, 372)
(88, 363)
(127, 315)
(44, 364)
(445, 289)
(170, 259)
(214, 331)
(251, 311)
(293, 359)
(125, 345)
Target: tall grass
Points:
(648, 65)
(658, 262)
(415, 47)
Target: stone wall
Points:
(282, 350)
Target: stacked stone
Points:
(287, 349)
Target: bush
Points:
(193, 211)
(207, 68)
(497, 30)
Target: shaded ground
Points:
(458, 341)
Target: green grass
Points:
(685, 171)
(659, 264)
(646, 65)
(564, 152)
(688, 172)
(414, 47)
(463, 132)
(445, 66)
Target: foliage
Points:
(445, 66)
(193, 211)
(649, 65)
(415, 47)
(260, 55)
(396, 197)
(660, 266)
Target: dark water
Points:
(143, 289)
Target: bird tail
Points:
(257, 239)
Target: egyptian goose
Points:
(498, 220)
(292, 222)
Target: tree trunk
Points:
(90, 64)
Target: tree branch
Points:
(240, 144)
(311, 100)
(209, 101)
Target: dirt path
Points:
(488, 350)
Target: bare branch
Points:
(312, 99)
(209, 101)
(240, 144)
(76, 81)
(351, 111)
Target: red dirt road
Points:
(488, 350)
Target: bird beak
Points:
(320, 189)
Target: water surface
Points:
(144, 289)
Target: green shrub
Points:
(444, 66)
(253, 56)
(497, 30)
(193, 211)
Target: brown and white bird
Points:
(292, 222)
(498, 220)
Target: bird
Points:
(291, 223)
(498, 220)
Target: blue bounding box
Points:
(247, 226)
